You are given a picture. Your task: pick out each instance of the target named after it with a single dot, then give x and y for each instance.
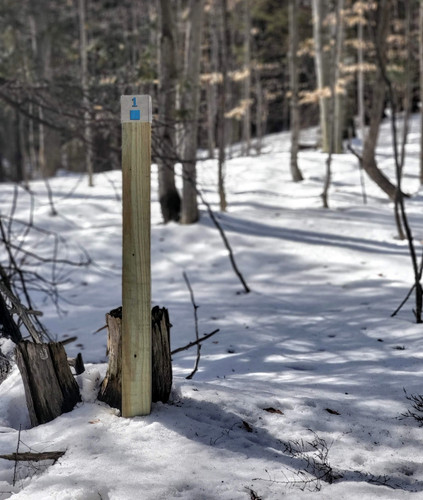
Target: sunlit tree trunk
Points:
(322, 69)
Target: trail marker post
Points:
(136, 118)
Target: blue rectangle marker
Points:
(135, 114)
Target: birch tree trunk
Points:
(190, 102)
(169, 198)
(293, 73)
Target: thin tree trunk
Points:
(335, 59)
(375, 113)
(406, 117)
(85, 90)
(293, 73)
(19, 155)
(190, 103)
(259, 111)
(337, 123)
(31, 145)
(212, 84)
(222, 104)
(417, 270)
(246, 123)
(321, 69)
(169, 198)
(360, 76)
(421, 88)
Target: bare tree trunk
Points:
(169, 198)
(406, 117)
(85, 90)
(375, 112)
(360, 77)
(322, 67)
(50, 150)
(337, 123)
(190, 103)
(246, 123)
(211, 89)
(259, 111)
(293, 73)
(383, 10)
(19, 153)
(333, 120)
(421, 89)
(222, 104)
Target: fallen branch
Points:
(30, 456)
(192, 344)
(225, 241)
(398, 309)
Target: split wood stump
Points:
(50, 387)
(111, 387)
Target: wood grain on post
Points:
(136, 268)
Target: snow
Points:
(305, 380)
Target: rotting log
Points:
(50, 387)
(111, 387)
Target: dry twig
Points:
(195, 306)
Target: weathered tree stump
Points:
(50, 388)
(162, 361)
(111, 387)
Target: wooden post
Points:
(136, 117)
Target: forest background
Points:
(219, 72)
(312, 348)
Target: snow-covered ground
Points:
(299, 395)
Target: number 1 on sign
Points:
(134, 102)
